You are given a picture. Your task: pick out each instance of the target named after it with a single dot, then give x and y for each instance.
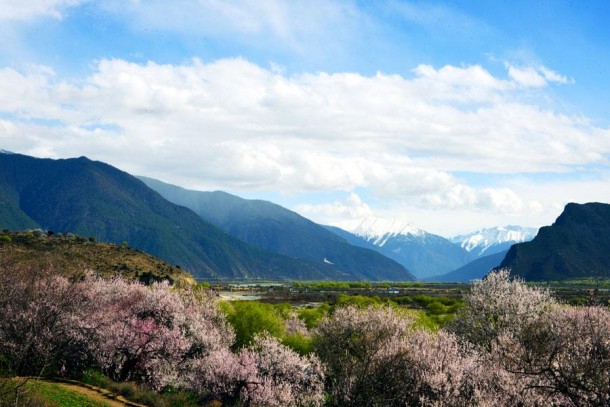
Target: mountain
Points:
(425, 254)
(351, 238)
(475, 270)
(91, 198)
(279, 230)
(488, 241)
(72, 255)
(576, 246)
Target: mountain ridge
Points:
(495, 239)
(425, 254)
(277, 229)
(576, 245)
(91, 198)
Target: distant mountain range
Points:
(91, 198)
(219, 235)
(94, 199)
(431, 257)
(576, 246)
(484, 242)
(279, 230)
(488, 247)
(425, 254)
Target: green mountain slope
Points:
(94, 199)
(576, 246)
(279, 230)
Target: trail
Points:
(93, 392)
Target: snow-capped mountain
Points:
(424, 254)
(379, 230)
(493, 240)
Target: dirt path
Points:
(93, 392)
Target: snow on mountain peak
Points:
(379, 230)
(484, 238)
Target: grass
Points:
(140, 394)
(55, 395)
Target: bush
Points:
(300, 343)
(264, 374)
(37, 314)
(563, 355)
(360, 301)
(51, 325)
(374, 357)
(354, 344)
(499, 305)
(203, 285)
(151, 334)
(250, 318)
(312, 316)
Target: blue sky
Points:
(452, 115)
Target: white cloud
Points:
(527, 77)
(351, 208)
(233, 124)
(535, 76)
(24, 10)
(553, 76)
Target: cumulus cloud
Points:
(351, 208)
(234, 124)
(24, 10)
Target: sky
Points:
(452, 115)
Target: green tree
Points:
(249, 318)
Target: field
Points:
(578, 292)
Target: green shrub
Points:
(404, 300)
(436, 308)
(5, 239)
(203, 285)
(578, 301)
(425, 321)
(302, 344)
(95, 378)
(359, 301)
(283, 309)
(423, 300)
(312, 316)
(249, 318)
